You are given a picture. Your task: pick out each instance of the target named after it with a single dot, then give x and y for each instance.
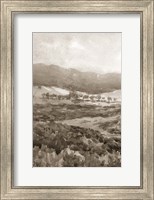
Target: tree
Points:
(73, 94)
(92, 97)
(109, 99)
(98, 97)
(47, 95)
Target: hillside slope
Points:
(72, 79)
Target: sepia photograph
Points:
(76, 99)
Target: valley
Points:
(71, 132)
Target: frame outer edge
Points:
(3, 100)
(150, 44)
(7, 192)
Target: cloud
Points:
(76, 45)
(96, 52)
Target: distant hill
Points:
(38, 91)
(114, 94)
(72, 79)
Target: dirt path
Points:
(92, 123)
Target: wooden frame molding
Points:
(11, 8)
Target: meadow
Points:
(69, 134)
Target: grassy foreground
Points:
(63, 138)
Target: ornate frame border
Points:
(8, 10)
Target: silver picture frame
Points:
(8, 10)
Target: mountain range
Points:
(72, 79)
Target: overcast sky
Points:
(95, 52)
